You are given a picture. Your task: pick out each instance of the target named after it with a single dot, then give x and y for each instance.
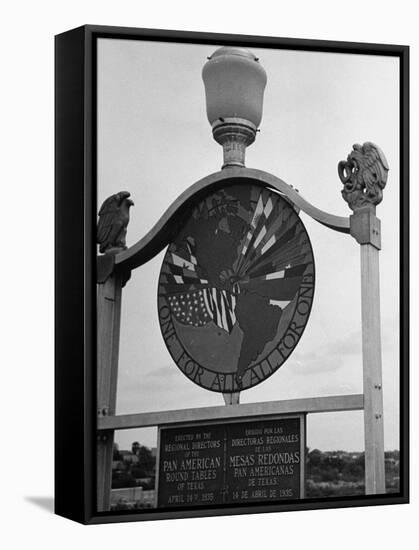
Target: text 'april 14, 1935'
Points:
(232, 462)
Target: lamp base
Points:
(234, 134)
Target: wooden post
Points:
(364, 177)
(365, 227)
(108, 327)
(371, 357)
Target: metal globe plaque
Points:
(236, 288)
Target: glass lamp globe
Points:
(234, 84)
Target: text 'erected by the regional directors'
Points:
(252, 461)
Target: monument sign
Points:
(235, 293)
(233, 462)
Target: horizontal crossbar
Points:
(333, 403)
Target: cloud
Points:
(162, 388)
(329, 357)
(165, 371)
(138, 383)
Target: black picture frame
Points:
(75, 269)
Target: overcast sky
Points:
(154, 140)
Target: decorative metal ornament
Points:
(113, 222)
(236, 288)
(364, 176)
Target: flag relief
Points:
(236, 287)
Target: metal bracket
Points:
(102, 411)
(105, 267)
(232, 398)
(365, 227)
(105, 264)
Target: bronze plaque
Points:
(252, 461)
(236, 288)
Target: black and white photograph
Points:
(250, 251)
(210, 275)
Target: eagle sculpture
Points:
(113, 221)
(364, 175)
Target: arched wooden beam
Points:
(170, 222)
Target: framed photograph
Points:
(231, 274)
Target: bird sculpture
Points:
(364, 175)
(113, 221)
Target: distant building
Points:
(127, 456)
